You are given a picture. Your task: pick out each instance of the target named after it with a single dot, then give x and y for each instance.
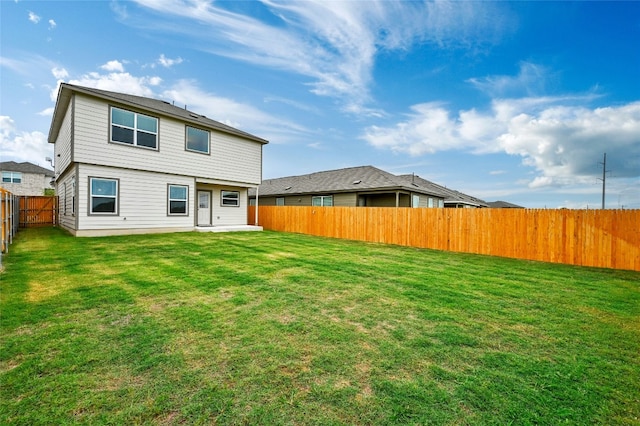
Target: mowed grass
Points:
(276, 328)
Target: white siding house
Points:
(127, 164)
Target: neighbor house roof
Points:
(450, 196)
(503, 205)
(352, 179)
(155, 106)
(24, 167)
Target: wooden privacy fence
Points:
(38, 211)
(600, 238)
(9, 215)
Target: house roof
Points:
(503, 205)
(451, 196)
(25, 167)
(155, 106)
(360, 179)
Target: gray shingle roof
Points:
(450, 196)
(503, 205)
(25, 167)
(156, 106)
(362, 178)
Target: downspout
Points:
(397, 198)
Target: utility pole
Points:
(604, 176)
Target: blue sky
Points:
(514, 101)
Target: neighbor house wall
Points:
(231, 158)
(32, 184)
(350, 199)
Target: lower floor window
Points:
(178, 199)
(103, 196)
(230, 198)
(322, 200)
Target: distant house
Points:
(452, 198)
(503, 205)
(25, 178)
(129, 164)
(363, 186)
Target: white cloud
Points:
(167, 62)
(333, 43)
(122, 82)
(28, 65)
(114, 65)
(52, 24)
(232, 113)
(530, 81)
(228, 111)
(47, 112)
(21, 146)
(33, 17)
(563, 143)
(59, 73)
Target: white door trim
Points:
(204, 213)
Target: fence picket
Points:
(600, 238)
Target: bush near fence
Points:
(600, 238)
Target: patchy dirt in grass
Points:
(40, 291)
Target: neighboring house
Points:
(25, 178)
(129, 164)
(452, 198)
(503, 205)
(364, 186)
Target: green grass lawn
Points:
(276, 328)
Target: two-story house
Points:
(127, 164)
(25, 178)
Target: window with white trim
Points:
(322, 200)
(178, 199)
(415, 200)
(103, 196)
(441, 203)
(430, 202)
(133, 128)
(230, 198)
(279, 201)
(197, 140)
(12, 177)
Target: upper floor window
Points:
(230, 198)
(134, 128)
(322, 200)
(197, 140)
(103, 196)
(12, 177)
